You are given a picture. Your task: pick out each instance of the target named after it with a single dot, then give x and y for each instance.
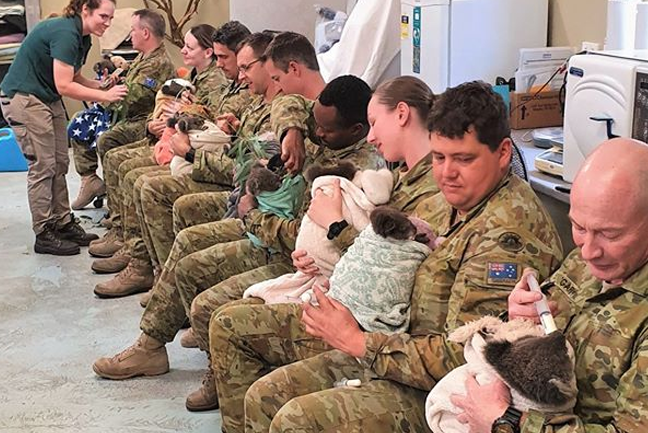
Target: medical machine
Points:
(607, 96)
(448, 42)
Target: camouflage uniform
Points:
(608, 329)
(233, 97)
(459, 282)
(212, 171)
(145, 76)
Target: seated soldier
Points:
(146, 74)
(602, 308)
(491, 220)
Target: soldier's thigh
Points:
(198, 208)
(376, 406)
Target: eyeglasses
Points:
(245, 68)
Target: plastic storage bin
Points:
(11, 158)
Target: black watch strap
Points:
(508, 422)
(190, 155)
(335, 229)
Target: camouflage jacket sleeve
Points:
(292, 111)
(144, 80)
(234, 103)
(452, 287)
(213, 167)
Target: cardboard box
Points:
(539, 112)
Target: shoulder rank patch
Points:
(510, 241)
(502, 273)
(150, 83)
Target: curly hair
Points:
(231, 34)
(468, 107)
(350, 96)
(75, 6)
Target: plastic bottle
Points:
(542, 306)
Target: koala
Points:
(344, 169)
(394, 224)
(175, 87)
(186, 122)
(104, 64)
(265, 178)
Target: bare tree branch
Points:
(176, 26)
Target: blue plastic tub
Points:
(11, 158)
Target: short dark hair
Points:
(350, 96)
(471, 106)
(231, 34)
(409, 90)
(152, 20)
(292, 47)
(258, 42)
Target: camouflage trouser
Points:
(113, 160)
(158, 195)
(198, 208)
(86, 161)
(165, 313)
(301, 397)
(134, 173)
(246, 342)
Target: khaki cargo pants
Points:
(41, 132)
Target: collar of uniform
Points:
(159, 51)
(196, 76)
(637, 283)
(420, 169)
(343, 153)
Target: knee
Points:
(293, 416)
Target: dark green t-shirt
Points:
(32, 71)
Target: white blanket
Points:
(212, 139)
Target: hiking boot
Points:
(205, 397)
(73, 232)
(50, 242)
(146, 297)
(108, 245)
(188, 339)
(147, 357)
(136, 278)
(92, 187)
(112, 264)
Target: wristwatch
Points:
(335, 229)
(508, 423)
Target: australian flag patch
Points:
(150, 83)
(502, 273)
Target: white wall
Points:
(283, 15)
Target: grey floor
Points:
(52, 328)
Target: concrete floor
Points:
(52, 328)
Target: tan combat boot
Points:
(92, 187)
(188, 339)
(108, 245)
(205, 397)
(136, 278)
(147, 357)
(112, 264)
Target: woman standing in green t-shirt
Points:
(47, 67)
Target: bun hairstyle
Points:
(75, 6)
(410, 90)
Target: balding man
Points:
(600, 292)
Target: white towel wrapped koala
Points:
(360, 196)
(210, 139)
(537, 368)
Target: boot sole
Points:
(101, 255)
(213, 406)
(127, 376)
(121, 295)
(56, 252)
(108, 271)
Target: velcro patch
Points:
(502, 273)
(150, 83)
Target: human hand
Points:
(325, 210)
(228, 123)
(180, 144)
(156, 127)
(333, 322)
(188, 98)
(293, 151)
(170, 108)
(482, 404)
(115, 93)
(521, 300)
(246, 204)
(303, 263)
